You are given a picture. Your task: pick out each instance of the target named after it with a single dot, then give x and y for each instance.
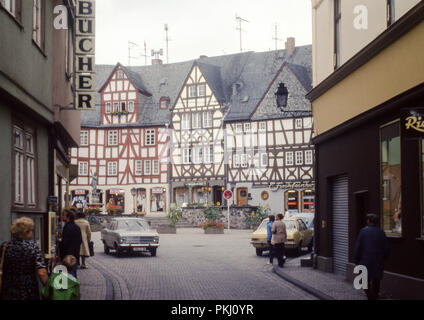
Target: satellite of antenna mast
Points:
(167, 43)
(240, 20)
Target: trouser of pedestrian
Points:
(373, 289)
(279, 253)
(271, 252)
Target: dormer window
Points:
(164, 103)
(120, 74)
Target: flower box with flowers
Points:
(114, 209)
(213, 227)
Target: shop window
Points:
(390, 164)
(115, 201)
(308, 201)
(422, 188)
(158, 200)
(141, 201)
(79, 199)
(292, 201)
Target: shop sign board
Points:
(291, 186)
(85, 52)
(413, 123)
(157, 190)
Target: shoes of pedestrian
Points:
(269, 262)
(281, 265)
(83, 267)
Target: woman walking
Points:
(22, 263)
(86, 237)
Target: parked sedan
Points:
(131, 235)
(298, 236)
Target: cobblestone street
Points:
(188, 266)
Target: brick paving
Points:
(189, 266)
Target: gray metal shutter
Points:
(340, 224)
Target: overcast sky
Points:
(196, 27)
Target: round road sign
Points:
(228, 194)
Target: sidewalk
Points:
(326, 286)
(93, 284)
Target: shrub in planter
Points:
(212, 213)
(255, 218)
(174, 215)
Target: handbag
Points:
(3, 253)
(91, 248)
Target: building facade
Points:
(368, 88)
(36, 130)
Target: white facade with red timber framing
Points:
(122, 152)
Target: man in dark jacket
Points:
(71, 238)
(370, 251)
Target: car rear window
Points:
(290, 224)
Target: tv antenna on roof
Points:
(167, 39)
(131, 45)
(276, 37)
(240, 20)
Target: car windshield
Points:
(290, 224)
(263, 225)
(132, 225)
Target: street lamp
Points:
(134, 193)
(281, 96)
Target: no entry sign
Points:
(228, 194)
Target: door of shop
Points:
(340, 206)
(242, 196)
(217, 195)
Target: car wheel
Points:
(259, 252)
(107, 251)
(310, 247)
(299, 249)
(153, 252)
(118, 250)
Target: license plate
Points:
(138, 249)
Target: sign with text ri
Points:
(84, 53)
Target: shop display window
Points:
(390, 164)
(115, 199)
(141, 200)
(422, 188)
(308, 201)
(158, 200)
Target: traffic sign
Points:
(228, 194)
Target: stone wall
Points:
(237, 216)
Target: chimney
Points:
(290, 45)
(156, 61)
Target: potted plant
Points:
(255, 218)
(114, 210)
(174, 215)
(212, 225)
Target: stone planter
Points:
(214, 230)
(164, 229)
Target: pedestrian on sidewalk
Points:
(370, 251)
(66, 288)
(268, 238)
(279, 237)
(71, 238)
(84, 226)
(21, 263)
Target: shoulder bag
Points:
(3, 253)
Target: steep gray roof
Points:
(238, 81)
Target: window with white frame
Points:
(84, 138)
(108, 107)
(123, 106)
(164, 103)
(185, 121)
(289, 159)
(198, 155)
(192, 91)
(299, 157)
(201, 90)
(130, 106)
(120, 74)
(236, 160)
(208, 154)
(262, 126)
(83, 169)
(298, 124)
(112, 168)
(113, 138)
(156, 167)
(147, 167)
(239, 127)
(309, 157)
(115, 107)
(264, 160)
(38, 23)
(247, 127)
(12, 6)
(150, 137)
(186, 155)
(244, 162)
(138, 169)
(197, 120)
(24, 167)
(207, 119)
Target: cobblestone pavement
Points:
(188, 266)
